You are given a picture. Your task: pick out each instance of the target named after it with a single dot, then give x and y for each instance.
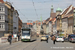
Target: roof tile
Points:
(1, 1)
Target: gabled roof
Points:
(54, 19)
(71, 12)
(67, 10)
(47, 20)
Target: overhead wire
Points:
(18, 10)
(35, 9)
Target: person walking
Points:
(18, 35)
(47, 39)
(53, 38)
(10, 38)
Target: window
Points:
(1, 17)
(1, 9)
(2, 25)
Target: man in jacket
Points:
(10, 38)
(53, 38)
(18, 35)
(47, 38)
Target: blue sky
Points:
(27, 10)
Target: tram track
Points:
(37, 43)
(19, 46)
(9, 46)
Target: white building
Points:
(3, 19)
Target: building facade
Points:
(19, 25)
(15, 22)
(3, 19)
(10, 17)
(64, 25)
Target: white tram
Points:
(28, 34)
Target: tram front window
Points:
(25, 33)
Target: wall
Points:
(64, 25)
(70, 25)
(4, 20)
(50, 27)
(15, 22)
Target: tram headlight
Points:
(28, 37)
(22, 37)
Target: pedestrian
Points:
(53, 38)
(18, 35)
(47, 39)
(10, 38)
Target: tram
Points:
(28, 34)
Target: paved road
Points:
(38, 45)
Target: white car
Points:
(43, 38)
(60, 38)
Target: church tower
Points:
(52, 9)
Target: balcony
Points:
(2, 29)
(2, 20)
(2, 12)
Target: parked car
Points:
(66, 39)
(71, 38)
(60, 38)
(43, 38)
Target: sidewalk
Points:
(7, 43)
(3, 44)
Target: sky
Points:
(35, 9)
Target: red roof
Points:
(52, 19)
(1, 1)
(33, 22)
(39, 23)
(29, 23)
(42, 22)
